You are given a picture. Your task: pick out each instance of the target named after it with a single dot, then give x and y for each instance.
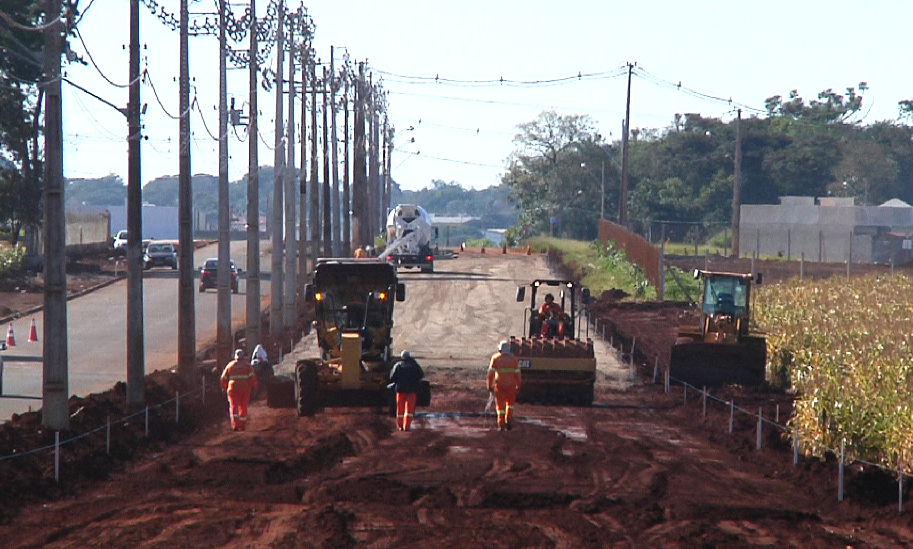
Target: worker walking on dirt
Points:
(406, 379)
(239, 381)
(504, 381)
(552, 316)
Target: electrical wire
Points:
(464, 162)
(83, 14)
(148, 79)
(645, 75)
(579, 77)
(98, 69)
(497, 102)
(28, 28)
(99, 127)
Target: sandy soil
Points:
(640, 468)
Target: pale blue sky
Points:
(744, 50)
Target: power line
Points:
(97, 68)
(643, 74)
(507, 82)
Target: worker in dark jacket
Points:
(406, 379)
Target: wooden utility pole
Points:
(346, 203)
(136, 359)
(623, 194)
(252, 291)
(55, 412)
(737, 186)
(224, 339)
(336, 239)
(313, 211)
(388, 179)
(187, 339)
(360, 227)
(276, 279)
(288, 177)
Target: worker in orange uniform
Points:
(239, 381)
(360, 253)
(406, 380)
(552, 315)
(504, 381)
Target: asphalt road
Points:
(97, 331)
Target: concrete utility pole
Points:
(136, 360)
(224, 339)
(384, 142)
(373, 179)
(737, 186)
(389, 171)
(276, 279)
(346, 206)
(289, 308)
(187, 338)
(313, 211)
(303, 198)
(327, 221)
(623, 194)
(360, 228)
(336, 239)
(253, 195)
(55, 412)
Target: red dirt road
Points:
(639, 469)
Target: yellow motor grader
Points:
(353, 303)
(721, 348)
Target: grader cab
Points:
(721, 348)
(353, 302)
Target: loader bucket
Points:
(704, 364)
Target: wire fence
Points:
(668, 380)
(106, 428)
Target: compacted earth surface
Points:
(640, 468)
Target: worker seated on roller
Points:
(552, 316)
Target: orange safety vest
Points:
(238, 376)
(504, 372)
(549, 309)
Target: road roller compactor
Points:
(556, 365)
(353, 302)
(722, 347)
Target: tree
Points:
(548, 177)
(21, 188)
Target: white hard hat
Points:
(504, 346)
(405, 354)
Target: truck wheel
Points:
(424, 396)
(307, 388)
(281, 392)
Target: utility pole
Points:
(313, 212)
(389, 172)
(337, 248)
(276, 279)
(623, 194)
(737, 186)
(55, 386)
(373, 176)
(385, 177)
(359, 172)
(253, 336)
(187, 339)
(289, 305)
(327, 224)
(136, 360)
(303, 197)
(346, 203)
(224, 339)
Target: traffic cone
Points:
(33, 332)
(10, 337)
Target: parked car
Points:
(120, 243)
(160, 254)
(209, 275)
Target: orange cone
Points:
(33, 332)
(10, 337)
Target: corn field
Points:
(845, 347)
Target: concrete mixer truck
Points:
(409, 238)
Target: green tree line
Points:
(685, 172)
